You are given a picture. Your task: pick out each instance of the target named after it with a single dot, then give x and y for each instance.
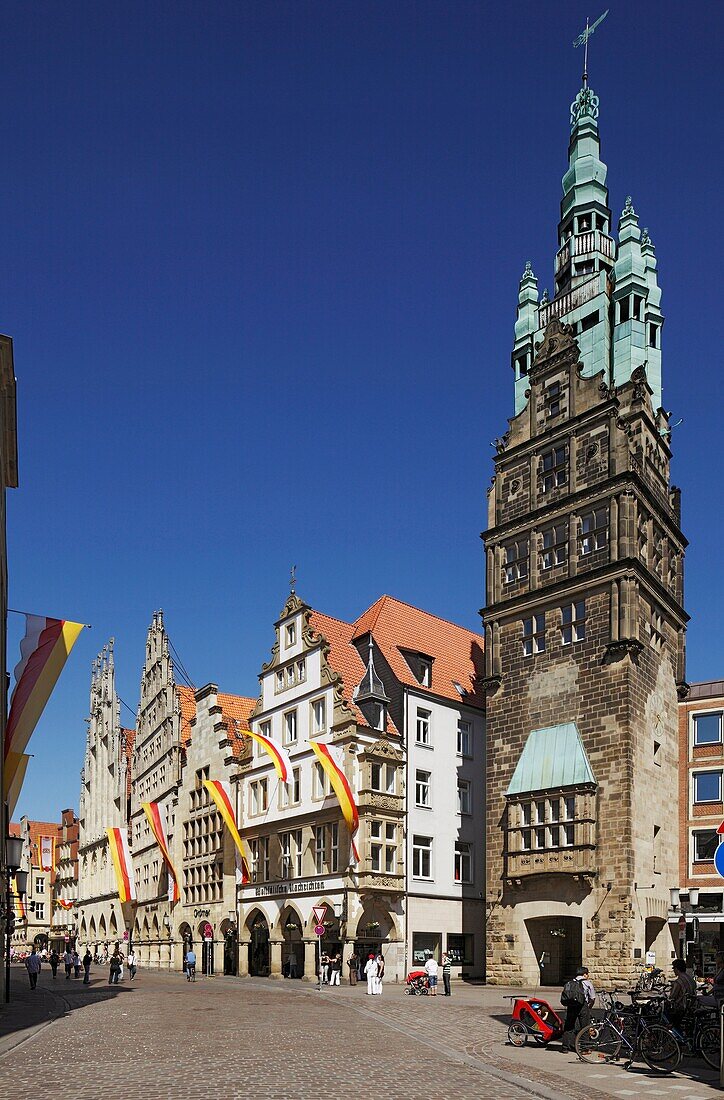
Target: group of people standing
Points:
(372, 969)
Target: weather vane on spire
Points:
(293, 579)
(582, 40)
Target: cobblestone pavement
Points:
(228, 1038)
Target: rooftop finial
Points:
(582, 40)
(293, 580)
(628, 207)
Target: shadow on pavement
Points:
(30, 1009)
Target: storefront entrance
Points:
(259, 948)
(558, 946)
(231, 948)
(292, 946)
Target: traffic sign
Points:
(319, 930)
(320, 912)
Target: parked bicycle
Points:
(627, 1031)
(698, 1034)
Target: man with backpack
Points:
(577, 998)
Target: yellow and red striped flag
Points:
(156, 814)
(64, 904)
(18, 898)
(122, 864)
(16, 766)
(43, 653)
(331, 760)
(220, 791)
(280, 756)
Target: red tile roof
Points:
(344, 659)
(187, 704)
(457, 653)
(235, 710)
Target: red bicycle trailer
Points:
(533, 1017)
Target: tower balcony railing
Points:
(582, 244)
(572, 299)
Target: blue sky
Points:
(260, 268)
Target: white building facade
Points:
(105, 784)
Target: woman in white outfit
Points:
(371, 974)
(380, 974)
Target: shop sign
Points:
(300, 886)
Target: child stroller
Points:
(535, 1018)
(416, 984)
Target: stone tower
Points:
(584, 622)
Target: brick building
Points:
(584, 624)
(63, 919)
(701, 812)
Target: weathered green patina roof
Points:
(552, 757)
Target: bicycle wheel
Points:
(517, 1034)
(709, 1045)
(598, 1042)
(659, 1049)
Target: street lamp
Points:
(13, 859)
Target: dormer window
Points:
(424, 673)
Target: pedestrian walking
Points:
(87, 960)
(446, 973)
(132, 964)
(353, 964)
(68, 962)
(32, 964)
(431, 971)
(120, 972)
(577, 998)
(190, 966)
(292, 972)
(54, 960)
(76, 964)
(115, 968)
(335, 969)
(371, 974)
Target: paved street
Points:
(161, 1036)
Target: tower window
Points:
(573, 622)
(653, 330)
(534, 635)
(522, 365)
(637, 303)
(553, 399)
(555, 546)
(624, 310)
(555, 470)
(516, 561)
(589, 322)
(594, 530)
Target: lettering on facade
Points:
(305, 886)
(202, 913)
